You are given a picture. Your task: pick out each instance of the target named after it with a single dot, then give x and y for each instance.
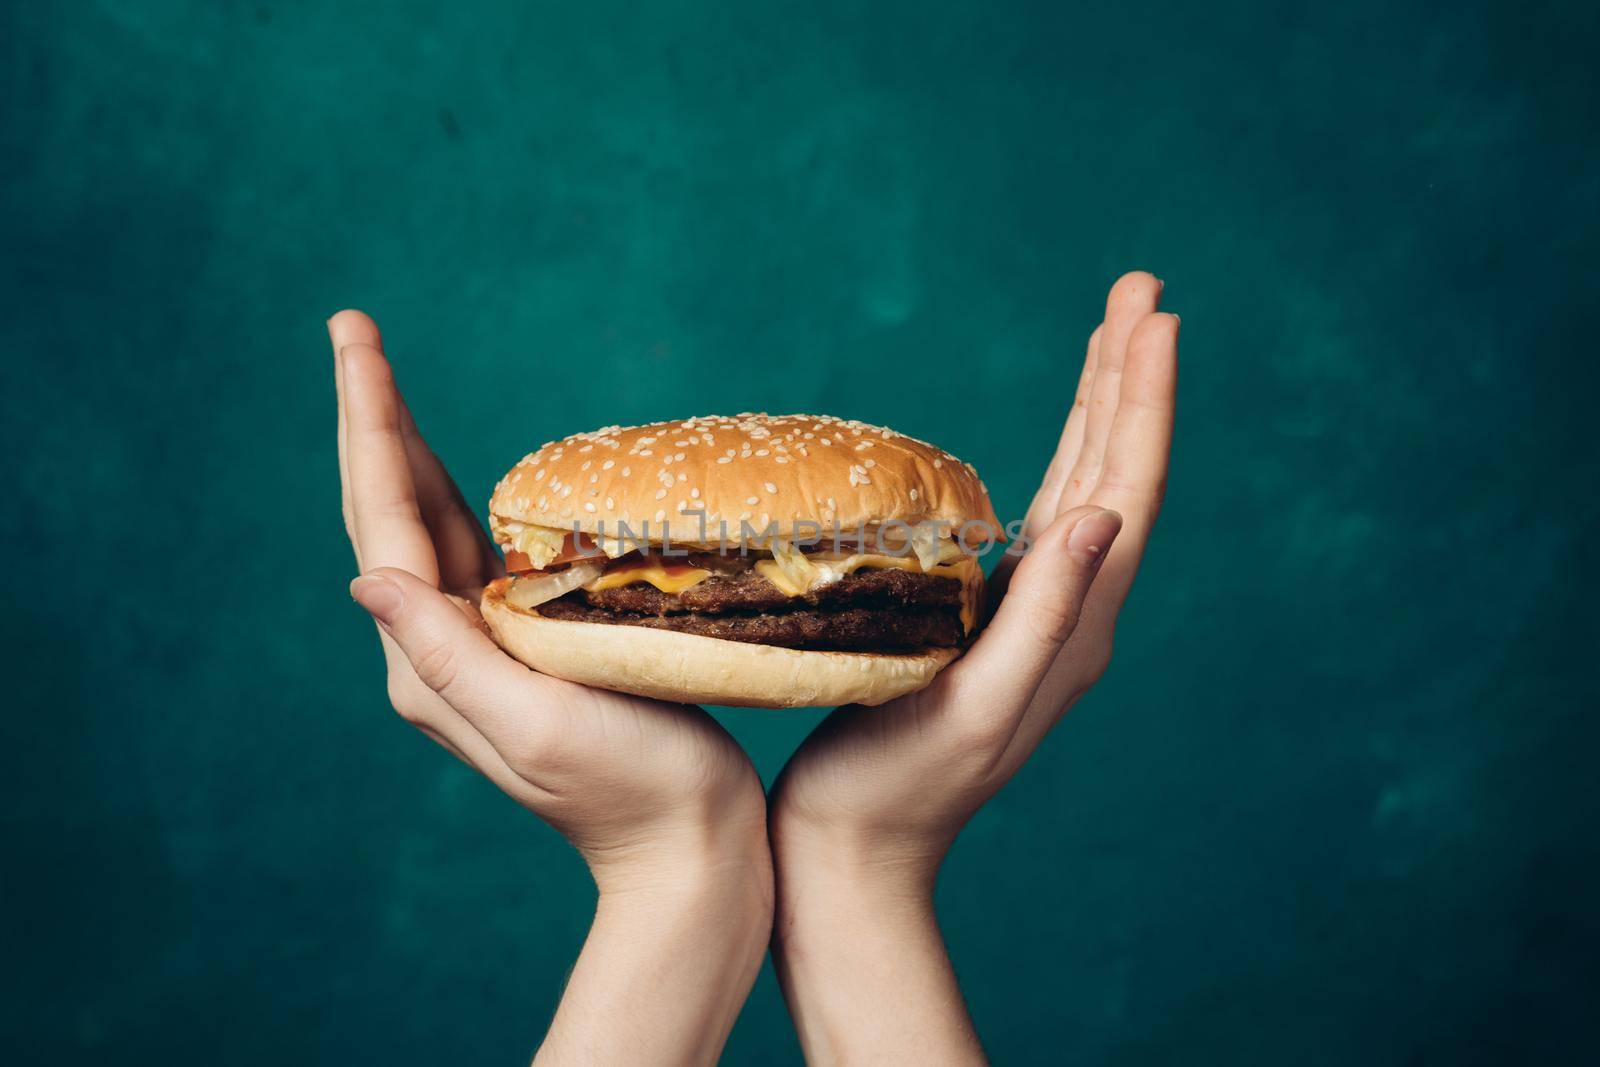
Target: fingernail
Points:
(1091, 539)
(379, 596)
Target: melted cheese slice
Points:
(669, 578)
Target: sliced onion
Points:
(793, 563)
(541, 544)
(530, 592)
(925, 543)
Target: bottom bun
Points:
(703, 670)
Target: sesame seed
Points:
(588, 506)
(937, 463)
(769, 487)
(660, 514)
(626, 471)
(752, 500)
(608, 464)
(539, 474)
(661, 494)
(612, 503)
(915, 494)
(724, 459)
(586, 464)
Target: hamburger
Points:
(749, 560)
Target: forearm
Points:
(864, 967)
(666, 967)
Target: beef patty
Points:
(841, 629)
(742, 589)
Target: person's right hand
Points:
(663, 804)
(863, 814)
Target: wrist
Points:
(879, 868)
(679, 933)
(858, 952)
(725, 864)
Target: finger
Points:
(1134, 477)
(499, 697)
(466, 556)
(1042, 511)
(1134, 296)
(388, 520)
(999, 674)
(340, 328)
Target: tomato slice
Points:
(573, 550)
(659, 563)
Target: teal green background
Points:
(1335, 801)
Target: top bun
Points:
(755, 469)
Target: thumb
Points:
(446, 649)
(1041, 606)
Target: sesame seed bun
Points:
(756, 469)
(703, 670)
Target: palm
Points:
(545, 741)
(927, 760)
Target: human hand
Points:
(865, 811)
(661, 802)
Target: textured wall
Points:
(1334, 803)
